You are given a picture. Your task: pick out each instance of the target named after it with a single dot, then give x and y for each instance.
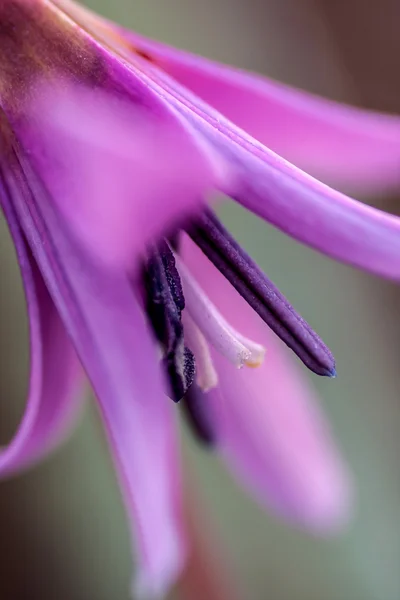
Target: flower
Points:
(110, 147)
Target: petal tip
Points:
(156, 585)
(329, 504)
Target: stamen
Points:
(181, 370)
(206, 375)
(165, 303)
(217, 331)
(260, 293)
(197, 416)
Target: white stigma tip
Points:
(239, 350)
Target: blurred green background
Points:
(63, 529)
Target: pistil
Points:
(239, 350)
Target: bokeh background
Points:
(63, 531)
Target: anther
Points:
(260, 293)
(164, 303)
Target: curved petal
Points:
(315, 214)
(293, 201)
(102, 316)
(54, 370)
(268, 424)
(342, 145)
(257, 177)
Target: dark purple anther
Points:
(164, 303)
(260, 293)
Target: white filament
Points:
(222, 336)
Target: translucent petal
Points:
(267, 422)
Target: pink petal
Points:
(101, 314)
(268, 423)
(112, 162)
(340, 144)
(282, 194)
(314, 214)
(108, 149)
(54, 370)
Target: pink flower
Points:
(110, 147)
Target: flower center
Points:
(260, 293)
(186, 323)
